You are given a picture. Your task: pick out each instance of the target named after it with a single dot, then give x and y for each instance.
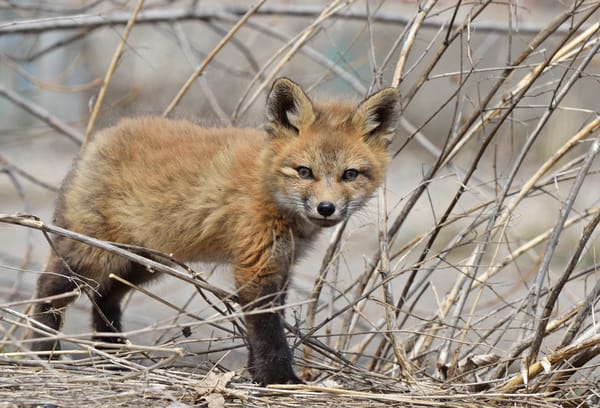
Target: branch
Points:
(111, 69)
(554, 358)
(150, 264)
(553, 243)
(210, 57)
(164, 15)
(42, 114)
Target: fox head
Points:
(325, 160)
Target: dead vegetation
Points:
(474, 283)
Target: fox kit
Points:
(254, 199)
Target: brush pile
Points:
(472, 280)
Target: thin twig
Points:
(559, 355)
(551, 247)
(200, 69)
(109, 73)
(410, 39)
(150, 264)
(170, 15)
(42, 114)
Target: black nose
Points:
(326, 208)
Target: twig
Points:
(551, 247)
(384, 270)
(42, 114)
(109, 73)
(582, 315)
(473, 264)
(150, 264)
(170, 15)
(210, 57)
(55, 46)
(208, 93)
(161, 300)
(410, 39)
(586, 131)
(8, 166)
(326, 264)
(560, 55)
(297, 43)
(47, 85)
(319, 58)
(560, 355)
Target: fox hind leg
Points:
(56, 280)
(106, 312)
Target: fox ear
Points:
(376, 116)
(288, 107)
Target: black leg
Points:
(106, 312)
(106, 317)
(269, 358)
(55, 281)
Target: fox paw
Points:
(274, 376)
(273, 371)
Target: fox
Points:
(253, 198)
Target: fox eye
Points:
(350, 175)
(304, 172)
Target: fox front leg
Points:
(269, 358)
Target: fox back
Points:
(253, 198)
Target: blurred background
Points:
(482, 181)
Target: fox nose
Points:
(326, 208)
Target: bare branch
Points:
(170, 15)
(42, 114)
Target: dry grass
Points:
(477, 284)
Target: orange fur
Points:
(228, 195)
